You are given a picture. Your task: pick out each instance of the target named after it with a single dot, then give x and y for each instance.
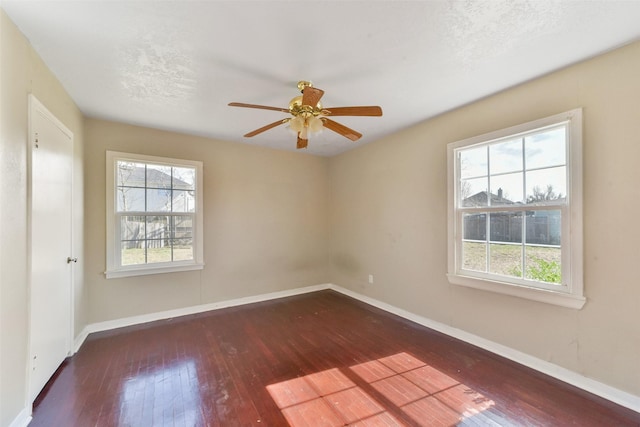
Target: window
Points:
(515, 211)
(154, 215)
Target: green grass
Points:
(542, 263)
(154, 255)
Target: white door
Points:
(51, 222)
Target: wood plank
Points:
(217, 369)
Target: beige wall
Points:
(22, 72)
(265, 222)
(389, 218)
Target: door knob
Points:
(70, 260)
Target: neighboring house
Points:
(481, 198)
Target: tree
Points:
(133, 225)
(540, 195)
(465, 189)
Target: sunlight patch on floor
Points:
(401, 382)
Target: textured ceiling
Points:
(177, 64)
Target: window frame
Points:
(571, 292)
(115, 269)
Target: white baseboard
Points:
(169, 314)
(615, 395)
(79, 339)
(23, 419)
(607, 392)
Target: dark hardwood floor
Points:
(310, 360)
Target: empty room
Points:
(329, 213)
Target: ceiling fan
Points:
(308, 115)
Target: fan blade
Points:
(353, 111)
(261, 107)
(311, 96)
(302, 143)
(341, 129)
(267, 127)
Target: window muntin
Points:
(154, 215)
(513, 194)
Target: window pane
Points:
(184, 178)
(133, 252)
(158, 176)
(183, 201)
(158, 238)
(130, 174)
(473, 162)
(546, 185)
(546, 148)
(158, 200)
(474, 256)
(543, 264)
(505, 259)
(506, 189)
(183, 227)
(130, 199)
(132, 228)
(544, 227)
(158, 251)
(182, 249)
(473, 192)
(158, 227)
(505, 156)
(505, 227)
(474, 226)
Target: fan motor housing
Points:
(297, 109)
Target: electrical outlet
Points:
(371, 279)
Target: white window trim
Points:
(114, 269)
(570, 294)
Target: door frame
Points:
(37, 107)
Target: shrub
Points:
(542, 270)
(545, 271)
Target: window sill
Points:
(541, 295)
(138, 271)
